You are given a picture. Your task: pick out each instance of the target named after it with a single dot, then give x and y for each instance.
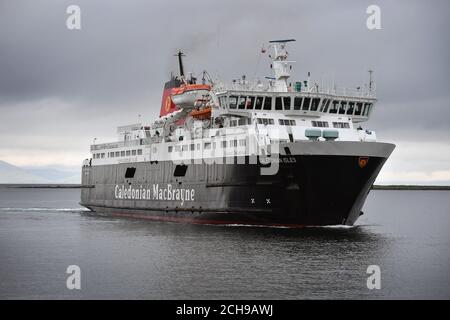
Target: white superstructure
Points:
(245, 118)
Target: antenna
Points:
(180, 62)
(370, 79)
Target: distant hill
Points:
(10, 174)
(13, 174)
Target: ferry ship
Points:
(272, 152)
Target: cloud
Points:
(59, 88)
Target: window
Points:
(117, 154)
(224, 144)
(367, 107)
(315, 104)
(133, 152)
(319, 124)
(358, 109)
(207, 145)
(170, 148)
(192, 147)
(139, 152)
(180, 170)
(265, 121)
(334, 107)
(244, 121)
(258, 103)
(128, 152)
(122, 153)
(287, 103)
(278, 103)
(223, 102)
(241, 104)
(292, 122)
(306, 104)
(130, 173)
(297, 103)
(233, 102)
(351, 107)
(250, 103)
(242, 143)
(324, 102)
(103, 155)
(185, 147)
(268, 103)
(341, 125)
(233, 143)
(343, 107)
(178, 148)
(327, 105)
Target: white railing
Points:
(361, 92)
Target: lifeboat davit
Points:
(186, 96)
(201, 114)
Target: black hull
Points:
(326, 188)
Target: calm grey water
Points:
(42, 231)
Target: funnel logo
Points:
(363, 161)
(168, 104)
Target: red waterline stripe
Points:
(204, 221)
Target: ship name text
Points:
(155, 192)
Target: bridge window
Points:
(267, 103)
(278, 103)
(222, 102)
(297, 103)
(233, 102)
(192, 147)
(367, 107)
(334, 107)
(207, 145)
(324, 102)
(224, 144)
(306, 104)
(351, 107)
(250, 103)
(103, 155)
(128, 152)
(122, 153)
(242, 143)
(259, 103)
(315, 104)
(358, 109)
(343, 107)
(170, 148)
(287, 103)
(242, 101)
(133, 152)
(117, 154)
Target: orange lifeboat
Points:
(201, 114)
(186, 96)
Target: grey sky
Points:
(60, 88)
